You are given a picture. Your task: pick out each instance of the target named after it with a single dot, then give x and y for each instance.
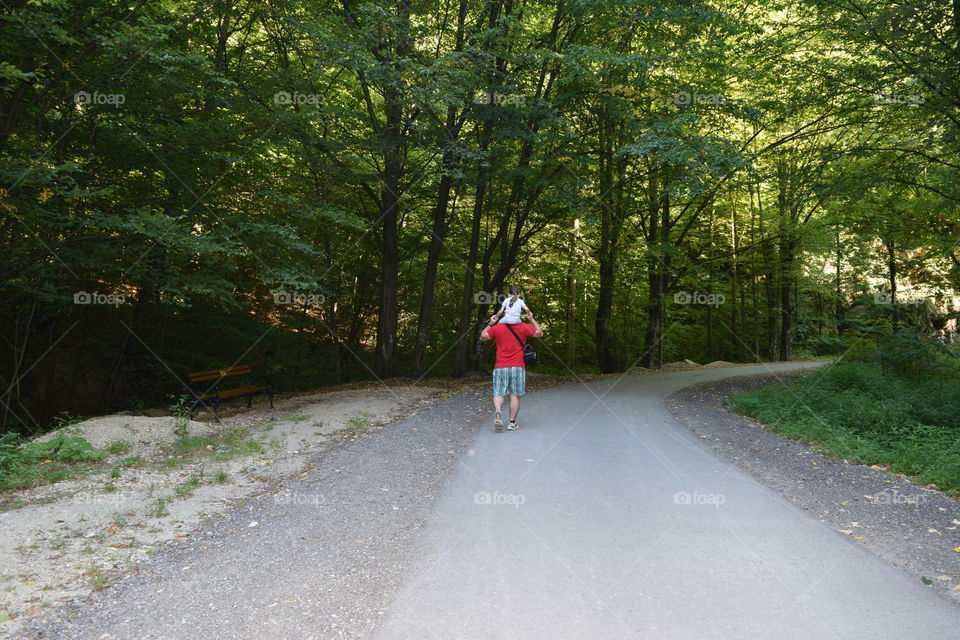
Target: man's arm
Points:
(536, 325)
(485, 334)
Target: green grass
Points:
(159, 508)
(188, 487)
(856, 411)
(118, 447)
(227, 445)
(132, 461)
(191, 444)
(363, 421)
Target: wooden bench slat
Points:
(240, 391)
(207, 382)
(213, 374)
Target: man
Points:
(509, 371)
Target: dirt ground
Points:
(59, 541)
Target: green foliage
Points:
(21, 465)
(118, 447)
(910, 353)
(63, 449)
(180, 408)
(146, 155)
(11, 457)
(855, 411)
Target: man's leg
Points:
(498, 392)
(517, 389)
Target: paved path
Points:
(603, 518)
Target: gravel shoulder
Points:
(318, 555)
(912, 527)
(61, 542)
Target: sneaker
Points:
(498, 421)
(513, 426)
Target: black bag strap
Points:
(522, 343)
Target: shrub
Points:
(853, 410)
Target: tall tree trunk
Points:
(890, 244)
(572, 296)
(657, 270)
(438, 233)
(838, 306)
(786, 301)
(610, 224)
(711, 344)
(462, 351)
(734, 284)
(451, 164)
(390, 249)
(393, 140)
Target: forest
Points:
(336, 191)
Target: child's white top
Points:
(511, 315)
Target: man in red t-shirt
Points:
(509, 371)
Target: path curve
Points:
(602, 517)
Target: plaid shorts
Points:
(509, 380)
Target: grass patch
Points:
(23, 465)
(225, 445)
(132, 461)
(188, 487)
(236, 443)
(192, 444)
(363, 421)
(159, 507)
(118, 447)
(98, 581)
(856, 411)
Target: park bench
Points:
(205, 386)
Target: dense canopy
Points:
(340, 190)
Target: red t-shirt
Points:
(509, 349)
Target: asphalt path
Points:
(601, 517)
